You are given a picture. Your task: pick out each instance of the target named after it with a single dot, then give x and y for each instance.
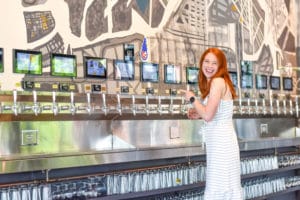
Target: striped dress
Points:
(223, 180)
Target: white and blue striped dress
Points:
(223, 179)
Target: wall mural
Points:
(177, 32)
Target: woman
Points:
(223, 179)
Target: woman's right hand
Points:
(193, 114)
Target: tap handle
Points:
(15, 95)
(72, 97)
(133, 99)
(88, 97)
(53, 96)
(34, 96)
(104, 99)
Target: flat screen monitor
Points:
(1, 60)
(123, 70)
(246, 66)
(128, 51)
(149, 72)
(234, 79)
(287, 83)
(246, 81)
(27, 62)
(261, 81)
(275, 82)
(192, 75)
(172, 74)
(95, 67)
(63, 65)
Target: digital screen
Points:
(123, 70)
(27, 62)
(246, 81)
(246, 67)
(1, 60)
(95, 67)
(275, 82)
(128, 51)
(149, 72)
(234, 79)
(192, 75)
(287, 83)
(172, 74)
(261, 81)
(63, 65)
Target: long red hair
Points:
(222, 72)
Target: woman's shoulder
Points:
(218, 81)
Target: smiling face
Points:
(210, 65)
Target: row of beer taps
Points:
(147, 104)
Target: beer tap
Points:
(159, 108)
(262, 97)
(133, 106)
(256, 106)
(104, 107)
(183, 105)
(147, 104)
(284, 106)
(240, 106)
(247, 95)
(277, 105)
(271, 106)
(119, 106)
(289, 98)
(171, 109)
(88, 100)
(15, 106)
(55, 108)
(35, 108)
(72, 103)
(296, 106)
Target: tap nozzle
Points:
(296, 106)
(183, 105)
(72, 104)
(159, 108)
(171, 109)
(119, 105)
(36, 107)
(284, 106)
(55, 108)
(88, 100)
(147, 104)
(15, 106)
(133, 106)
(104, 107)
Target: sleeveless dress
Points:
(223, 179)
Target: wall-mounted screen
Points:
(287, 83)
(123, 70)
(246, 66)
(63, 65)
(192, 75)
(261, 81)
(1, 60)
(234, 78)
(149, 72)
(172, 74)
(128, 51)
(95, 67)
(27, 62)
(246, 81)
(275, 82)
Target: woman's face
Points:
(210, 65)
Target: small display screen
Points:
(246, 81)
(275, 82)
(123, 70)
(27, 62)
(149, 72)
(1, 60)
(192, 75)
(63, 65)
(128, 51)
(246, 67)
(261, 81)
(172, 74)
(95, 67)
(234, 79)
(287, 83)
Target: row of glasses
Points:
(151, 179)
(288, 160)
(258, 164)
(260, 187)
(292, 181)
(26, 192)
(89, 187)
(190, 195)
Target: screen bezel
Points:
(63, 74)
(142, 70)
(272, 85)
(235, 81)
(116, 62)
(188, 73)
(85, 62)
(2, 60)
(174, 67)
(284, 79)
(38, 71)
(247, 86)
(264, 78)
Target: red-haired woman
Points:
(223, 180)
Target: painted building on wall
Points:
(176, 32)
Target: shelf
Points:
(292, 189)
